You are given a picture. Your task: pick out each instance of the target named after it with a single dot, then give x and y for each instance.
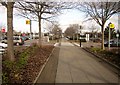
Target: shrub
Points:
(93, 49)
(11, 70)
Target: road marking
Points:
(56, 44)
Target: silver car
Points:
(17, 40)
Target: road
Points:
(77, 66)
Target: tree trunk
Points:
(40, 39)
(102, 44)
(10, 31)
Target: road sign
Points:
(27, 21)
(112, 25)
(3, 30)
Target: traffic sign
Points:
(112, 25)
(27, 21)
(3, 30)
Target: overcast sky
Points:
(67, 17)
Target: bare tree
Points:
(10, 50)
(100, 12)
(41, 10)
(70, 31)
(32, 11)
(49, 27)
(76, 27)
(56, 31)
(73, 30)
(94, 31)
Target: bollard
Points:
(80, 42)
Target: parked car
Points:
(113, 43)
(3, 45)
(4, 40)
(25, 38)
(17, 40)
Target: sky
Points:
(71, 17)
(68, 17)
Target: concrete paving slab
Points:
(77, 66)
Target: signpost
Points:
(111, 26)
(3, 30)
(28, 22)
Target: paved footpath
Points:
(76, 66)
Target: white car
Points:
(3, 45)
(2, 48)
(17, 40)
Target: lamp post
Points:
(3, 32)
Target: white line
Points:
(56, 44)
